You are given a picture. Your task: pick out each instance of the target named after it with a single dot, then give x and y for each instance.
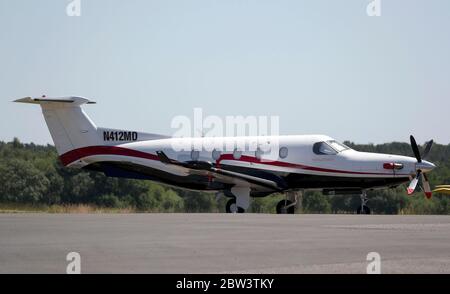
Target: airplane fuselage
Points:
(301, 167)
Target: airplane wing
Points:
(230, 177)
(271, 184)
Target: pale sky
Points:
(322, 66)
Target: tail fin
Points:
(68, 124)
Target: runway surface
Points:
(223, 243)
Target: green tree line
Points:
(32, 174)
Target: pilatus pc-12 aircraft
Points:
(306, 162)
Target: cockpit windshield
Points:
(330, 147)
(339, 147)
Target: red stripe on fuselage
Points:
(77, 154)
(294, 165)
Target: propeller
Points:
(419, 166)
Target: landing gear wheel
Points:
(281, 207)
(231, 207)
(364, 210)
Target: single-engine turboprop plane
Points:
(304, 162)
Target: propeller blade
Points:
(427, 149)
(426, 186)
(415, 148)
(413, 184)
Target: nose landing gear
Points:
(363, 208)
(286, 207)
(290, 203)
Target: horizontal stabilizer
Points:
(45, 100)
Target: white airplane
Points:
(306, 162)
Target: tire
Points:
(282, 210)
(232, 208)
(365, 210)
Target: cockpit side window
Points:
(323, 148)
(330, 147)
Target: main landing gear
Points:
(232, 207)
(363, 208)
(241, 200)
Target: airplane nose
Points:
(425, 166)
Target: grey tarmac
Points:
(223, 243)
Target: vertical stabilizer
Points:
(69, 125)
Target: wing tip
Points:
(25, 100)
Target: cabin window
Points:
(237, 154)
(283, 152)
(195, 154)
(216, 154)
(258, 153)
